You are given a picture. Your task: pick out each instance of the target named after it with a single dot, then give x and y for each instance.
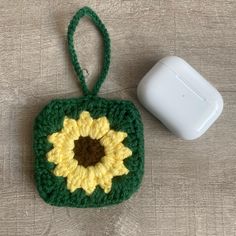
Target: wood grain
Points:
(189, 188)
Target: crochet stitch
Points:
(96, 173)
(89, 150)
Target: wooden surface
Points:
(189, 188)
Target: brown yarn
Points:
(88, 151)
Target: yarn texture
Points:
(89, 151)
(87, 138)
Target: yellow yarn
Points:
(101, 173)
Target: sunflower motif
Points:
(88, 153)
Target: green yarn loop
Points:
(86, 11)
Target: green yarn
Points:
(86, 11)
(122, 116)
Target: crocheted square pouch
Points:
(89, 151)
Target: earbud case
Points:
(184, 101)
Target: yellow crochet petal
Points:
(99, 128)
(119, 151)
(106, 183)
(57, 138)
(84, 123)
(56, 155)
(89, 184)
(100, 170)
(108, 161)
(67, 145)
(70, 128)
(61, 140)
(75, 178)
(66, 167)
(72, 188)
(79, 174)
(116, 167)
(112, 138)
(119, 169)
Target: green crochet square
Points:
(122, 116)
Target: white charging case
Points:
(180, 97)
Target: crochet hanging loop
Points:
(86, 11)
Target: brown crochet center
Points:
(88, 151)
